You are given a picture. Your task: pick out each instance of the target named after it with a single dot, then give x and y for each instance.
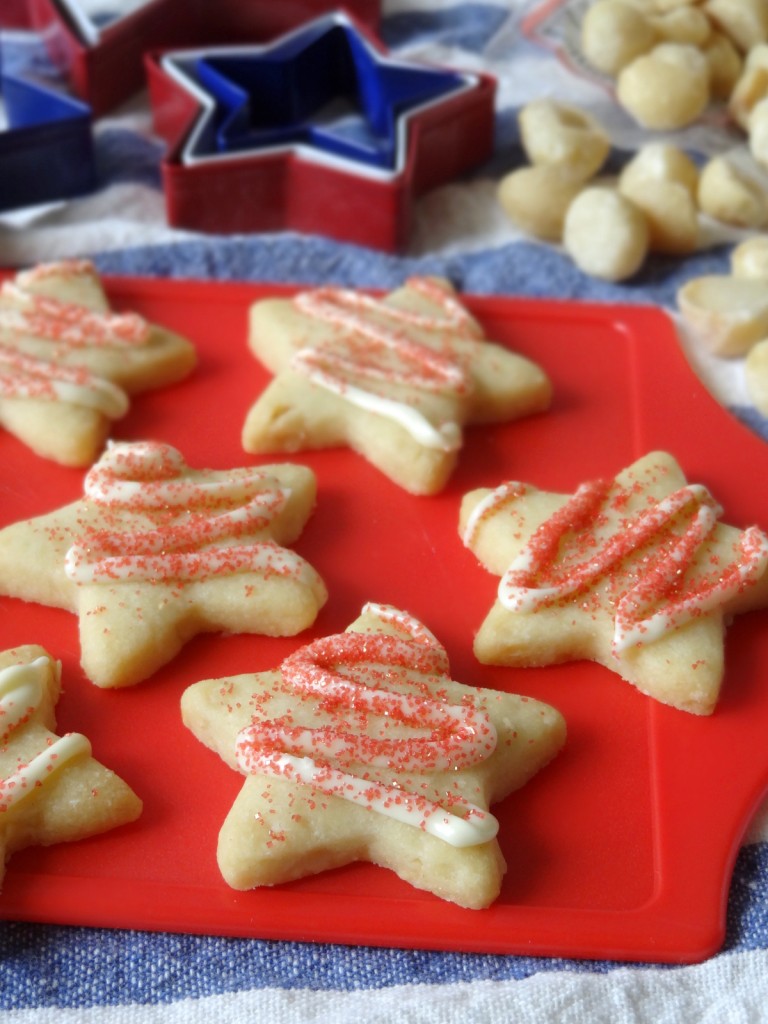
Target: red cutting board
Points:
(622, 848)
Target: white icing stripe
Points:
(57, 268)
(439, 371)
(28, 377)
(526, 597)
(367, 349)
(21, 690)
(66, 323)
(446, 437)
(492, 502)
(154, 494)
(266, 558)
(149, 477)
(443, 737)
(454, 317)
(409, 625)
(102, 396)
(629, 631)
(21, 693)
(478, 826)
(649, 607)
(198, 530)
(27, 778)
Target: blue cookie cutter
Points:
(320, 131)
(46, 145)
(324, 86)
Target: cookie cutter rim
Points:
(188, 155)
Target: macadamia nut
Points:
(670, 211)
(727, 314)
(667, 88)
(660, 161)
(555, 134)
(751, 87)
(613, 34)
(744, 21)
(671, 5)
(758, 133)
(605, 234)
(682, 25)
(536, 199)
(730, 195)
(750, 258)
(725, 65)
(662, 180)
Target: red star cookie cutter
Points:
(421, 126)
(103, 59)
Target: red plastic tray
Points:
(622, 848)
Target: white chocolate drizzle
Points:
(27, 316)
(206, 536)
(374, 347)
(351, 677)
(24, 376)
(21, 693)
(656, 599)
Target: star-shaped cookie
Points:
(68, 363)
(51, 789)
(637, 573)
(362, 748)
(156, 552)
(394, 379)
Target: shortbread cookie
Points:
(636, 573)
(156, 552)
(361, 748)
(51, 789)
(68, 363)
(394, 379)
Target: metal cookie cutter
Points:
(101, 45)
(320, 130)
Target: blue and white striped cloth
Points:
(62, 975)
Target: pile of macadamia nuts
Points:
(671, 58)
(609, 225)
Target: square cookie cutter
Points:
(320, 130)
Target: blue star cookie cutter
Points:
(325, 109)
(46, 145)
(323, 86)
